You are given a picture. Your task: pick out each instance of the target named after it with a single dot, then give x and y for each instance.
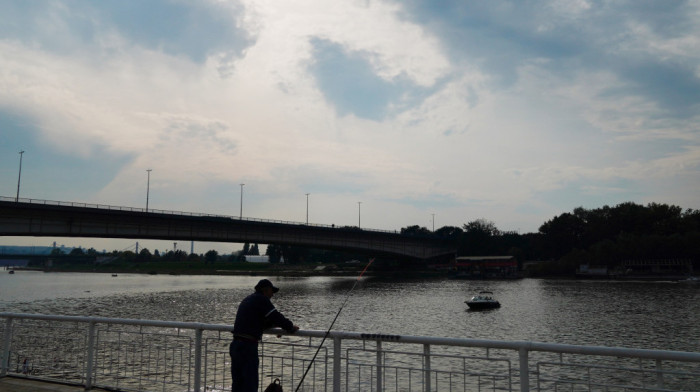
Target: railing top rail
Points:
(408, 339)
(171, 212)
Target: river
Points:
(653, 315)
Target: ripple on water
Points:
(631, 314)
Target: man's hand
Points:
(296, 328)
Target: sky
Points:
(387, 114)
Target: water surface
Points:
(655, 315)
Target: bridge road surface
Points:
(15, 384)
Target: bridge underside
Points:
(44, 220)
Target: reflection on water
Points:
(663, 315)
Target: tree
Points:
(56, 252)
(127, 256)
(479, 238)
(144, 255)
(76, 252)
(449, 232)
(274, 252)
(415, 230)
(482, 226)
(177, 255)
(211, 256)
(254, 250)
(563, 234)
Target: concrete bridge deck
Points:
(45, 218)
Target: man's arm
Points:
(278, 319)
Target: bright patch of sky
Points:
(510, 111)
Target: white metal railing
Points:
(151, 355)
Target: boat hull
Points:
(483, 305)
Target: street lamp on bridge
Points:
(148, 186)
(359, 213)
(307, 208)
(19, 178)
(241, 213)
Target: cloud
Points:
(503, 110)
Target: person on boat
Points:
(255, 314)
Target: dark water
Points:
(654, 315)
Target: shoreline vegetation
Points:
(228, 268)
(309, 270)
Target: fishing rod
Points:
(331, 327)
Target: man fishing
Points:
(255, 314)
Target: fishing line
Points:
(331, 327)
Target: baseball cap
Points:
(266, 283)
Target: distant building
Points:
(670, 268)
(640, 269)
(32, 250)
(20, 256)
(482, 267)
(257, 259)
(588, 271)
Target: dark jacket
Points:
(256, 314)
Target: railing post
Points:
(90, 364)
(659, 374)
(426, 367)
(197, 359)
(524, 370)
(336, 364)
(379, 366)
(6, 347)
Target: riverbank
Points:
(217, 268)
(299, 270)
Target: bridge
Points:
(46, 218)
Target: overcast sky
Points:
(512, 111)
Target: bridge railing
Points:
(151, 355)
(173, 212)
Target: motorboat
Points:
(483, 300)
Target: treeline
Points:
(603, 236)
(145, 255)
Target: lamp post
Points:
(359, 213)
(148, 187)
(241, 213)
(433, 222)
(19, 178)
(307, 208)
